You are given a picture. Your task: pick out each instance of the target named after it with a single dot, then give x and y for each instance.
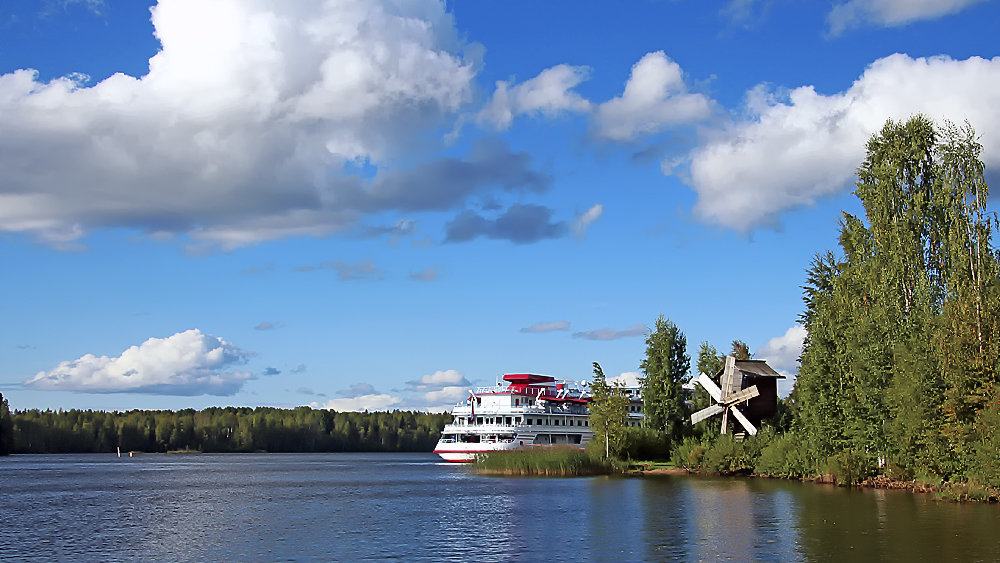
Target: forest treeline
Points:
(229, 429)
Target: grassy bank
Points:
(546, 461)
(782, 456)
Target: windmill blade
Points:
(705, 413)
(740, 396)
(744, 421)
(710, 386)
(727, 375)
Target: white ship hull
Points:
(457, 452)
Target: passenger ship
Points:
(533, 410)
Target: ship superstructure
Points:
(532, 410)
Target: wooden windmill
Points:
(742, 381)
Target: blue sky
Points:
(368, 204)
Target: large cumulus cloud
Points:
(238, 129)
(187, 363)
(800, 146)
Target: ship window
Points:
(507, 420)
(517, 402)
(479, 420)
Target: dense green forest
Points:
(900, 371)
(230, 429)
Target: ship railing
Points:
(465, 425)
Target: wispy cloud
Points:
(266, 325)
(584, 221)
(891, 13)
(637, 329)
(425, 275)
(357, 390)
(364, 270)
(546, 327)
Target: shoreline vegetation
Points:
(555, 461)
(723, 460)
(220, 430)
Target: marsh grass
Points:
(545, 461)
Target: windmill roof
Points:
(754, 368)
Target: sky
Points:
(376, 204)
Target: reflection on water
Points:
(349, 507)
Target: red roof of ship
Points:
(521, 382)
(528, 378)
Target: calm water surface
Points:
(410, 507)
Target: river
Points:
(411, 507)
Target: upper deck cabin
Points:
(525, 393)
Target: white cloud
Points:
(547, 327)
(373, 402)
(436, 391)
(439, 380)
(584, 221)
(655, 97)
(549, 94)
(448, 395)
(891, 13)
(234, 134)
(187, 363)
(805, 146)
(627, 379)
(782, 352)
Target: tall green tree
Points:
(608, 413)
(900, 362)
(740, 350)
(665, 369)
(709, 359)
(6, 427)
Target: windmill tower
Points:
(747, 391)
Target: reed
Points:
(553, 461)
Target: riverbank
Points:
(942, 491)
